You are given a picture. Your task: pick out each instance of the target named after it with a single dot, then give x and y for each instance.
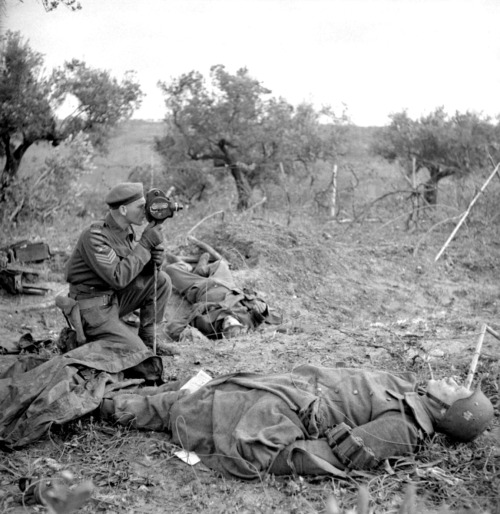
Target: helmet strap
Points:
(438, 401)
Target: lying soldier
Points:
(219, 308)
(313, 420)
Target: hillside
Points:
(365, 294)
(131, 146)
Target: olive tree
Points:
(25, 112)
(28, 97)
(235, 123)
(103, 101)
(50, 5)
(444, 145)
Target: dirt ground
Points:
(357, 296)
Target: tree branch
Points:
(204, 246)
(373, 202)
(204, 219)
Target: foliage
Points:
(25, 112)
(55, 188)
(361, 298)
(28, 98)
(235, 124)
(444, 145)
(188, 183)
(50, 5)
(103, 101)
(314, 135)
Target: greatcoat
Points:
(248, 424)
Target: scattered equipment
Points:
(24, 251)
(71, 311)
(16, 278)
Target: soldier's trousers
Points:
(103, 321)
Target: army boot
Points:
(162, 348)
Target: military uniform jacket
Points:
(105, 258)
(208, 316)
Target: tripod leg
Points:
(154, 306)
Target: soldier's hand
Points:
(259, 306)
(158, 256)
(151, 237)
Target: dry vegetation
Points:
(365, 294)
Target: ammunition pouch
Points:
(71, 310)
(72, 306)
(349, 449)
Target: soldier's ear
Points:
(122, 210)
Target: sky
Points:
(376, 57)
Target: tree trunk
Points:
(8, 173)
(12, 163)
(242, 187)
(436, 173)
(431, 186)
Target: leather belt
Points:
(96, 301)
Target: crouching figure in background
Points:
(313, 420)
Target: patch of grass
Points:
(354, 293)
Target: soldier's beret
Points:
(124, 193)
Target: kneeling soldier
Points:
(111, 275)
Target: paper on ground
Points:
(200, 379)
(188, 457)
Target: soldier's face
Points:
(447, 390)
(135, 212)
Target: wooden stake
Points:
(287, 194)
(414, 173)
(475, 357)
(333, 210)
(466, 213)
(493, 333)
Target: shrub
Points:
(55, 187)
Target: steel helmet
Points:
(466, 418)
